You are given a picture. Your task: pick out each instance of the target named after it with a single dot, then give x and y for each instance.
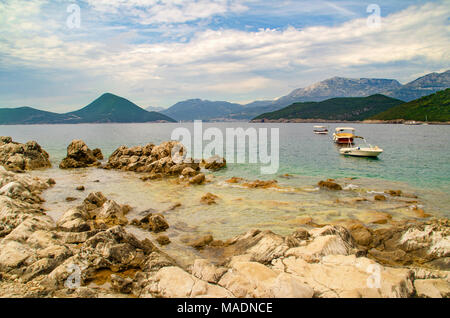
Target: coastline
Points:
(100, 238)
(311, 121)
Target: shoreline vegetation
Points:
(434, 108)
(88, 252)
(312, 121)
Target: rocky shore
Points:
(89, 251)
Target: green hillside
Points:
(434, 107)
(108, 108)
(345, 108)
(28, 115)
(115, 109)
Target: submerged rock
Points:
(209, 199)
(255, 184)
(19, 157)
(198, 179)
(152, 222)
(215, 163)
(78, 156)
(330, 185)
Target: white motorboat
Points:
(320, 130)
(361, 151)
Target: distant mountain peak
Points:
(108, 108)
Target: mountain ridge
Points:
(434, 107)
(108, 108)
(330, 88)
(338, 108)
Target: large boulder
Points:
(19, 157)
(254, 280)
(96, 212)
(173, 282)
(166, 160)
(349, 276)
(419, 243)
(79, 156)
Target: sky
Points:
(59, 55)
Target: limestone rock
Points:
(78, 156)
(432, 288)
(205, 270)
(329, 185)
(250, 279)
(215, 163)
(198, 179)
(209, 199)
(349, 276)
(20, 157)
(173, 282)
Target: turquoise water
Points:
(416, 160)
(417, 155)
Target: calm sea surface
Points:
(417, 155)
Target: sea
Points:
(416, 160)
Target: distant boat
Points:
(344, 135)
(320, 130)
(412, 123)
(364, 151)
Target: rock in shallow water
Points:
(79, 156)
(20, 157)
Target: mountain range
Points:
(108, 108)
(324, 90)
(339, 108)
(434, 108)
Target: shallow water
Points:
(416, 160)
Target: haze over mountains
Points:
(108, 108)
(327, 89)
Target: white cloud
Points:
(234, 63)
(168, 11)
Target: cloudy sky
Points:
(159, 52)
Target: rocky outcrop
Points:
(97, 152)
(166, 160)
(19, 157)
(214, 163)
(152, 222)
(79, 156)
(413, 243)
(151, 159)
(96, 212)
(88, 253)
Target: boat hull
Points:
(343, 138)
(355, 152)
